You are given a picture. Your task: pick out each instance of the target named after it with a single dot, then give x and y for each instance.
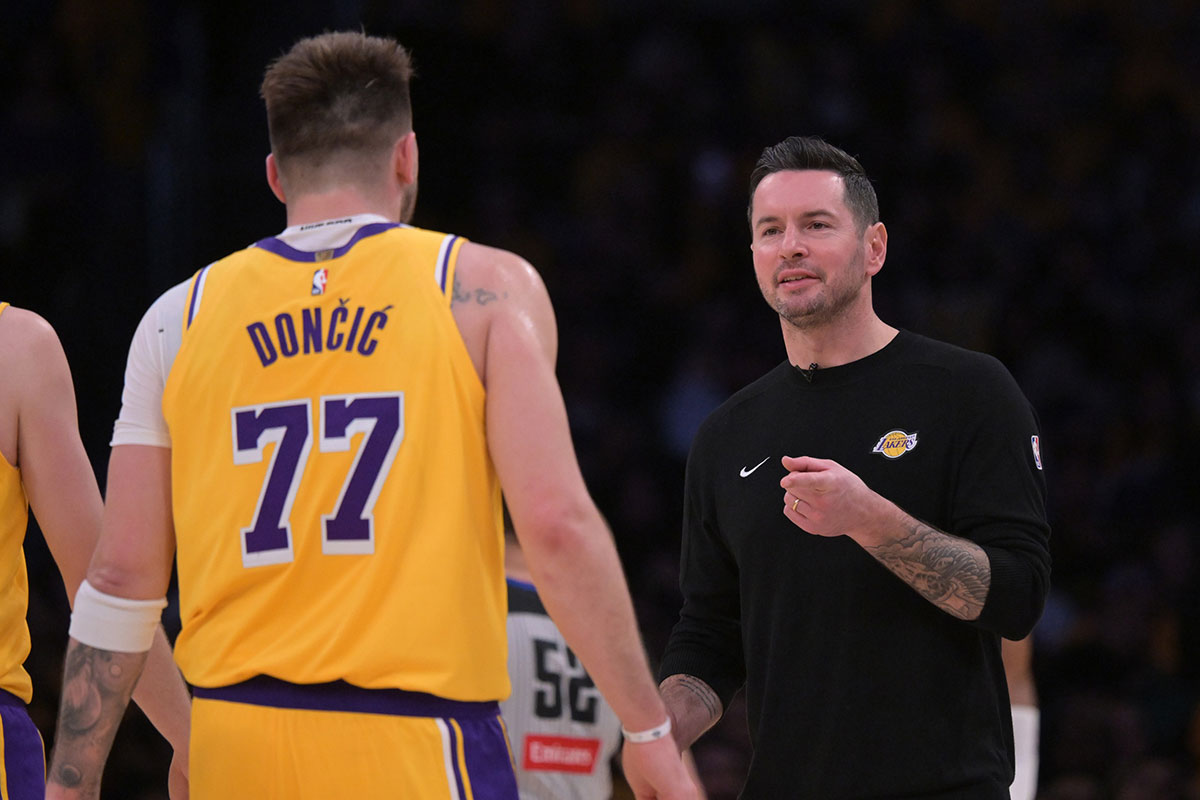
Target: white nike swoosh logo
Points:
(746, 472)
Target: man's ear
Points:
(876, 247)
(273, 178)
(404, 159)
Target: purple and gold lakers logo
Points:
(320, 278)
(894, 444)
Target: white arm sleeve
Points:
(151, 354)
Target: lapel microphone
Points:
(807, 373)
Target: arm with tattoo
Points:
(693, 705)
(952, 573)
(97, 685)
(825, 499)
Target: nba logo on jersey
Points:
(1036, 444)
(320, 277)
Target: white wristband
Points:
(114, 623)
(653, 734)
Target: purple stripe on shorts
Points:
(277, 246)
(489, 765)
(264, 690)
(458, 778)
(24, 756)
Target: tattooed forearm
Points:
(693, 705)
(97, 685)
(480, 296)
(952, 573)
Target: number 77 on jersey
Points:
(349, 527)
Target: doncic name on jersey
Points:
(348, 329)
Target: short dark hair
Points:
(813, 152)
(342, 92)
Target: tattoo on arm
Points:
(459, 296)
(704, 693)
(481, 296)
(693, 705)
(97, 685)
(952, 573)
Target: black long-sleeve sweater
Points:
(857, 687)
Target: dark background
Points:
(1037, 165)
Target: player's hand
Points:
(826, 499)
(655, 771)
(177, 778)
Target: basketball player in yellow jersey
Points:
(43, 465)
(320, 434)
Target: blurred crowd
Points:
(1038, 169)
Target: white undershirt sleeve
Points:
(151, 354)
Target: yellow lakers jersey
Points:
(337, 513)
(14, 582)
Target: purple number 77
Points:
(350, 528)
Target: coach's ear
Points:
(875, 246)
(273, 178)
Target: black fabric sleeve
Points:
(1000, 498)
(706, 642)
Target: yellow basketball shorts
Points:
(267, 738)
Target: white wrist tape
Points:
(1026, 721)
(641, 737)
(114, 623)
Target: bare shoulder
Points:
(34, 368)
(486, 275)
(28, 343)
(499, 296)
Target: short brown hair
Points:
(813, 152)
(337, 95)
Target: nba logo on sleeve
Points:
(1036, 444)
(320, 277)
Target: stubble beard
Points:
(829, 302)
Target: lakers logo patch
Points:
(894, 444)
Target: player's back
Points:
(337, 514)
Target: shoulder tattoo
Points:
(480, 295)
